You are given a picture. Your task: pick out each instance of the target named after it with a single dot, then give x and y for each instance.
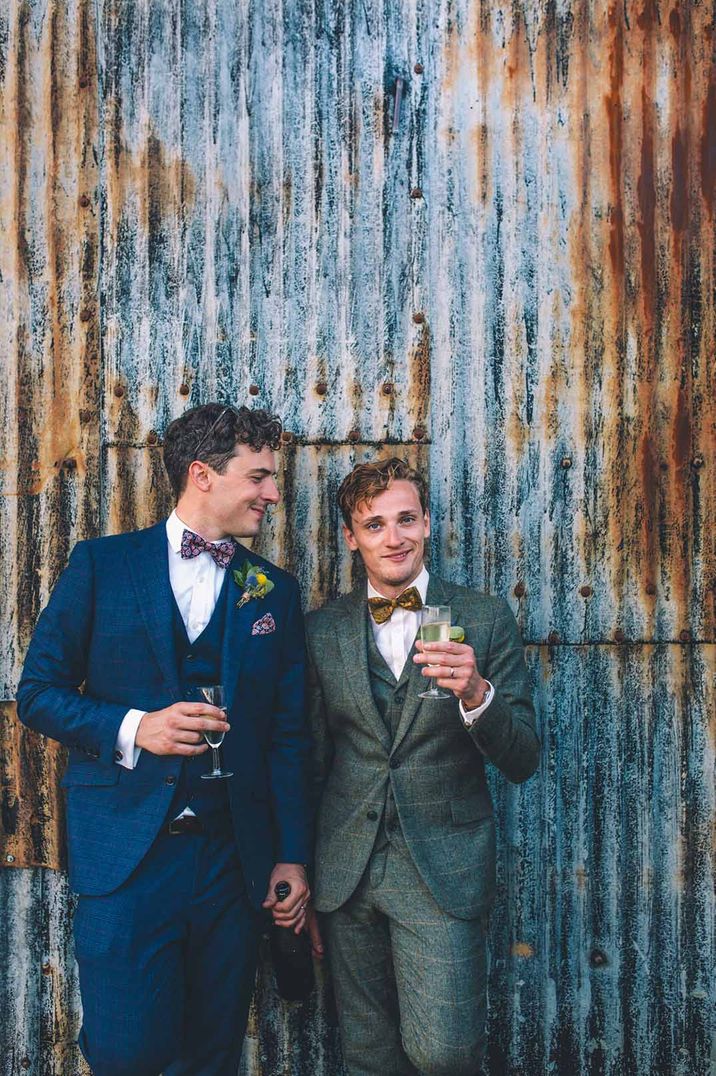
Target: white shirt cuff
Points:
(469, 717)
(126, 753)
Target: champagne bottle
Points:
(291, 955)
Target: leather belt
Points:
(186, 823)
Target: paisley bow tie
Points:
(381, 609)
(193, 544)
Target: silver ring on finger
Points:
(452, 671)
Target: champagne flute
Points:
(435, 628)
(214, 694)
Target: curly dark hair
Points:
(210, 433)
(367, 480)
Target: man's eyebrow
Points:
(262, 471)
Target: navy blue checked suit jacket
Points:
(108, 626)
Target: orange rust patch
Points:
(523, 950)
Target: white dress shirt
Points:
(395, 637)
(196, 583)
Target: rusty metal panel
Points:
(49, 338)
(604, 928)
(569, 175)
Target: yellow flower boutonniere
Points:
(253, 581)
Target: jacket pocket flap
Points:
(471, 810)
(90, 773)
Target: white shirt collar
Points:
(421, 583)
(175, 530)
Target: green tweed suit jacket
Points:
(435, 765)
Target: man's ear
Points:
(426, 521)
(349, 537)
(199, 475)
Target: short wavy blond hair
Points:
(367, 480)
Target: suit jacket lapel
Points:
(438, 594)
(353, 645)
(149, 570)
(237, 627)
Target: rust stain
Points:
(616, 150)
(32, 826)
(646, 191)
(682, 431)
(680, 183)
(675, 22)
(419, 375)
(523, 950)
(708, 143)
(649, 461)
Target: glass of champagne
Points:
(435, 628)
(214, 694)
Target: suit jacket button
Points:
(372, 815)
(118, 756)
(170, 781)
(400, 697)
(394, 763)
(190, 657)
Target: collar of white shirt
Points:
(175, 531)
(421, 584)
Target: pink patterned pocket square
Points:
(264, 626)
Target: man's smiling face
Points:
(389, 532)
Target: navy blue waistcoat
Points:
(199, 664)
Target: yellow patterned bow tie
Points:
(381, 609)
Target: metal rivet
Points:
(9, 858)
(419, 433)
(619, 636)
(418, 317)
(519, 591)
(84, 201)
(387, 389)
(566, 463)
(152, 437)
(287, 437)
(85, 416)
(418, 69)
(598, 958)
(25, 1063)
(685, 635)
(416, 193)
(663, 466)
(321, 388)
(586, 591)
(83, 82)
(253, 390)
(119, 390)
(698, 461)
(69, 464)
(650, 588)
(86, 313)
(354, 435)
(184, 389)
(553, 638)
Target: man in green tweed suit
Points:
(405, 857)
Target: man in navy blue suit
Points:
(173, 872)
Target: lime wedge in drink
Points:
(457, 634)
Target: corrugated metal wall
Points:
(482, 232)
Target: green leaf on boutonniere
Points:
(254, 582)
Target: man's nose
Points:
(392, 535)
(271, 492)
